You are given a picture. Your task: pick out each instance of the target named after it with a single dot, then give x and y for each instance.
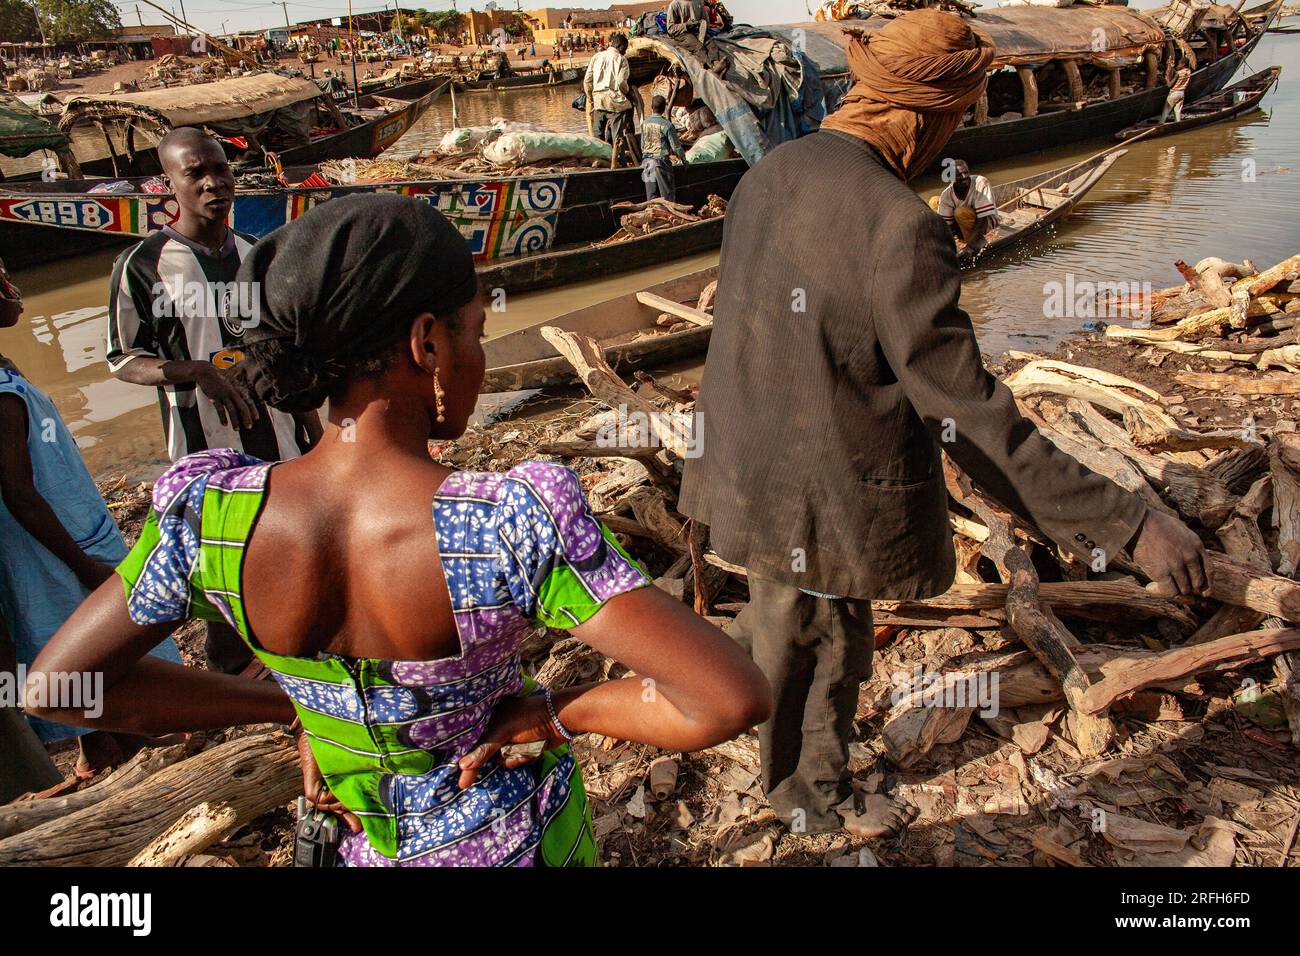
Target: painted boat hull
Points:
(549, 269)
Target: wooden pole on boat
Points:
(451, 84)
(1083, 162)
(1152, 60)
(1113, 84)
(1030, 84)
(1073, 77)
(352, 49)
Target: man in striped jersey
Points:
(176, 322)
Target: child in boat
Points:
(659, 143)
(388, 594)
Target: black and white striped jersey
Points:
(171, 298)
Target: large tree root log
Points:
(1236, 650)
(251, 775)
(589, 362)
(25, 814)
(1196, 493)
(1052, 644)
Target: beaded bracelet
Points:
(555, 717)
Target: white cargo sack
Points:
(520, 147)
(710, 149)
(462, 139)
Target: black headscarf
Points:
(341, 284)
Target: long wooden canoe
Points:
(544, 270)
(1028, 206)
(523, 81)
(1241, 97)
(625, 329)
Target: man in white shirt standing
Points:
(968, 207)
(606, 86)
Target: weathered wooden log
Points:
(1285, 271)
(1114, 392)
(1112, 601)
(1234, 651)
(1029, 85)
(1114, 85)
(1053, 644)
(1196, 493)
(251, 775)
(916, 724)
(1239, 468)
(1074, 80)
(680, 396)
(1235, 583)
(690, 314)
(652, 512)
(1210, 322)
(1155, 437)
(1082, 446)
(592, 449)
(1240, 534)
(1240, 384)
(17, 817)
(1152, 61)
(1208, 283)
(194, 832)
(588, 361)
(1284, 469)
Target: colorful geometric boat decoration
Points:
(504, 217)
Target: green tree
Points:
(446, 21)
(18, 21)
(71, 20)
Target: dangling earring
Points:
(437, 395)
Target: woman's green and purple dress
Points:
(519, 550)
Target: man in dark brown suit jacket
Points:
(840, 365)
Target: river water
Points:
(1230, 190)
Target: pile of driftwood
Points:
(1095, 748)
(1041, 711)
(1229, 314)
(642, 218)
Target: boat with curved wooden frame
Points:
(624, 328)
(1241, 97)
(1028, 206)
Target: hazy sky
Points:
(247, 15)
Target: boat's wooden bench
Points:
(1043, 198)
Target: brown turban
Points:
(915, 79)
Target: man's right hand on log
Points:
(1171, 555)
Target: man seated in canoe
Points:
(968, 207)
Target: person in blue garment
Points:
(59, 540)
